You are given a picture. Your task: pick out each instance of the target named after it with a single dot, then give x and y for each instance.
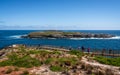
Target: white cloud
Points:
(58, 27)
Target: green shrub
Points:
(9, 71)
(16, 69)
(70, 61)
(49, 60)
(22, 49)
(25, 61)
(25, 72)
(13, 56)
(56, 52)
(108, 61)
(76, 52)
(34, 51)
(56, 68)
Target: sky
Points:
(59, 14)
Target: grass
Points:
(56, 52)
(68, 61)
(108, 61)
(49, 60)
(8, 71)
(24, 58)
(76, 52)
(60, 64)
(25, 72)
(36, 51)
(63, 60)
(16, 69)
(25, 61)
(56, 68)
(55, 60)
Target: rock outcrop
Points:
(91, 66)
(61, 34)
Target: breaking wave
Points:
(19, 36)
(15, 36)
(116, 37)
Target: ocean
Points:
(10, 37)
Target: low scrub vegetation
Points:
(8, 71)
(108, 61)
(25, 61)
(30, 58)
(56, 68)
(61, 64)
(76, 52)
(56, 60)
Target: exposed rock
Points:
(43, 70)
(99, 69)
(61, 34)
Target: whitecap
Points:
(116, 37)
(15, 36)
(51, 38)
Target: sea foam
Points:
(16, 36)
(116, 37)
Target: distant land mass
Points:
(61, 34)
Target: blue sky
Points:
(60, 14)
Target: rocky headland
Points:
(61, 34)
(29, 60)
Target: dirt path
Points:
(102, 67)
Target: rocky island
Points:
(61, 34)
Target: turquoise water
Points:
(9, 37)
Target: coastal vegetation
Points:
(66, 35)
(25, 61)
(76, 52)
(108, 61)
(38, 57)
(28, 60)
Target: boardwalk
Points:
(54, 48)
(96, 52)
(106, 54)
(111, 53)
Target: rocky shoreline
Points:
(51, 61)
(61, 34)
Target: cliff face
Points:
(60, 34)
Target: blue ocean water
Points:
(9, 37)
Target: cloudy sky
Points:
(60, 14)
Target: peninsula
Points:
(66, 35)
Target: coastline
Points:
(8, 38)
(81, 64)
(62, 34)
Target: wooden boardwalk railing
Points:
(106, 54)
(99, 52)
